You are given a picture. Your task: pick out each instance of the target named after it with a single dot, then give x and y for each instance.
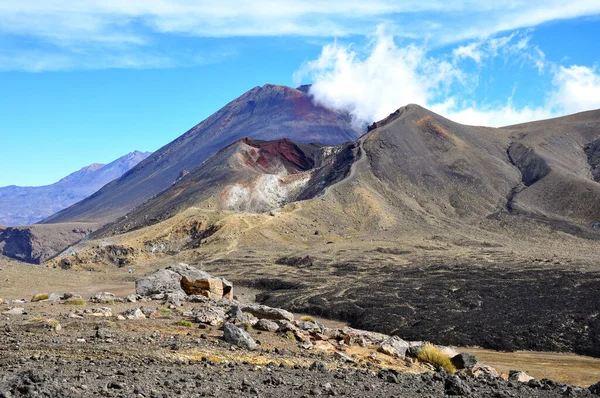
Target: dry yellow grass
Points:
(75, 301)
(433, 355)
(39, 297)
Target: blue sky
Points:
(89, 81)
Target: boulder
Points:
(311, 326)
(394, 346)
(236, 336)
(266, 325)
(103, 298)
(480, 370)
(158, 282)
(15, 311)
(134, 313)
(595, 388)
(69, 295)
(186, 279)
(131, 298)
(236, 316)
(104, 311)
(464, 360)
(519, 376)
(54, 297)
(265, 312)
(372, 337)
(210, 315)
(415, 347)
(175, 298)
(197, 282)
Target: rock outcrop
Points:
(183, 278)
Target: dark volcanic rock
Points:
(592, 151)
(547, 310)
(464, 360)
(533, 168)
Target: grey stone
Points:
(103, 298)
(394, 346)
(519, 376)
(134, 313)
(265, 312)
(236, 316)
(158, 282)
(464, 360)
(15, 311)
(236, 336)
(210, 315)
(266, 325)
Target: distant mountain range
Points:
(28, 205)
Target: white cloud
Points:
(372, 84)
(108, 24)
(577, 89)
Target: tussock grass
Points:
(306, 318)
(164, 310)
(40, 297)
(53, 323)
(433, 355)
(75, 301)
(186, 324)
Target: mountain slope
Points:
(28, 205)
(265, 113)
(559, 161)
(420, 168)
(428, 229)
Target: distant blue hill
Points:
(28, 205)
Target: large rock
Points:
(184, 278)
(103, 298)
(394, 346)
(210, 315)
(15, 311)
(265, 312)
(519, 376)
(464, 360)
(595, 388)
(266, 325)
(157, 282)
(234, 335)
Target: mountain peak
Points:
(268, 112)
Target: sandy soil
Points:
(567, 368)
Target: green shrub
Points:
(186, 324)
(164, 310)
(433, 355)
(75, 301)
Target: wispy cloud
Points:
(117, 25)
(372, 82)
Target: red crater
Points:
(295, 157)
